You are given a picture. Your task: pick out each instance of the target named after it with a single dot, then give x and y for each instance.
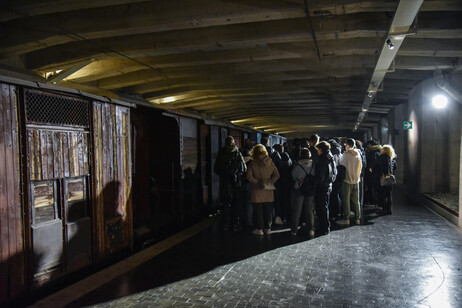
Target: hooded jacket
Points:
(261, 170)
(383, 165)
(224, 157)
(351, 159)
(226, 154)
(372, 154)
(323, 172)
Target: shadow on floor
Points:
(203, 252)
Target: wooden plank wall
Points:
(57, 154)
(11, 242)
(112, 181)
(214, 149)
(191, 199)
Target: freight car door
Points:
(58, 143)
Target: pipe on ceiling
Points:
(404, 17)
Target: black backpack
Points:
(309, 183)
(235, 170)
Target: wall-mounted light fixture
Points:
(390, 44)
(439, 101)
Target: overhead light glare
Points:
(240, 121)
(370, 94)
(439, 101)
(168, 99)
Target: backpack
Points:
(235, 170)
(309, 183)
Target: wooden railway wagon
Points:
(174, 184)
(65, 183)
(83, 178)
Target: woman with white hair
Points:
(385, 164)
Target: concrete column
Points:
(460, 173)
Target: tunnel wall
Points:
(433, 143)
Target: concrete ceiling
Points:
(262, 63)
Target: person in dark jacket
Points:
(325, 173)
(283, 186)
(272, 153)
(334, 200)
(312, 142)
(360, 148)
(372, 154)
(247, 214)
(228, 192)
(385, 164)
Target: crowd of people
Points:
(313, 181)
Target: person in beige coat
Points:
(262, 174)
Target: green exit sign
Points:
(407, 124)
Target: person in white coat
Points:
(351, 160)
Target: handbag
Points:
(269, 186)
(387, 180)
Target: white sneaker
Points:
(267, 231)
(311, 234)
(257, 232)
(278, 221)
(358, 222)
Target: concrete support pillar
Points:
(460, 173)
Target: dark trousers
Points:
(262, 214)
(334, 200)
(232, 208)
(370, 194)
(285, 200)
(277, 201)
(385, 199)
(321, 201)
(247, 213)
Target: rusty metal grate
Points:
(55, 109)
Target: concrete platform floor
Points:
(410, 259)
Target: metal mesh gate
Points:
(54, 109)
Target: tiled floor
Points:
(410, 259)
